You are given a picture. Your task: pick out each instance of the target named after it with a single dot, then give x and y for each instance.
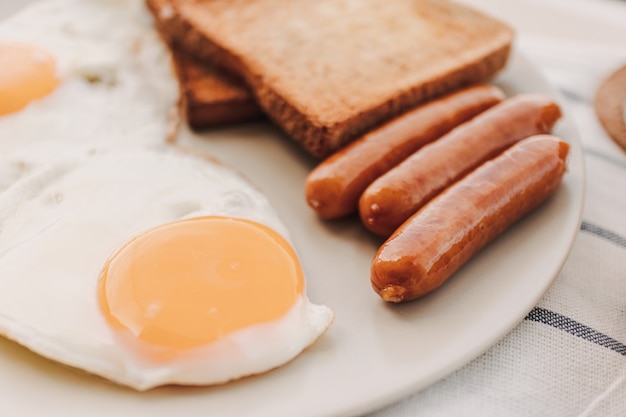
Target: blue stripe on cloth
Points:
(603, 233)
(561, 322)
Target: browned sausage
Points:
(333, 188)
(399, 193)
(435, 242)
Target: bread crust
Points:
(212, 97)
(328, 71)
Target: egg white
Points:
(62, 220)
(117, 86)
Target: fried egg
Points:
(88, 73)
(151, 267)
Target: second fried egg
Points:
(84, 72)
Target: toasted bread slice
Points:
(212, 97)
(329, 70)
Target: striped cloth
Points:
(568, 358)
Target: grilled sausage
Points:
(435, 242)
(399, 193)
(333, 188)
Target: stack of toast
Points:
(325, 72)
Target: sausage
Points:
(399, 193)
(437, 240)
(333, 188)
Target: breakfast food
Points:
(435, 242)
(396, 195)
(212, 97)
(172, 270)
(151, 266)
(610, 106)
(68, 80)
(333, 188)
(120, 254)
(328, 71)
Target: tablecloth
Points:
(568, 357)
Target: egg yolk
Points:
(187, 283)
(27, 73)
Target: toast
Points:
(211, 96)
(327, 71)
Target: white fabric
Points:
(541, 368)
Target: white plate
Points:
(374, 353)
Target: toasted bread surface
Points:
(329, 70)
(212, 96)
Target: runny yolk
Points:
(187, 283)
(27, 73)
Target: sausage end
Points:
(393, 294)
